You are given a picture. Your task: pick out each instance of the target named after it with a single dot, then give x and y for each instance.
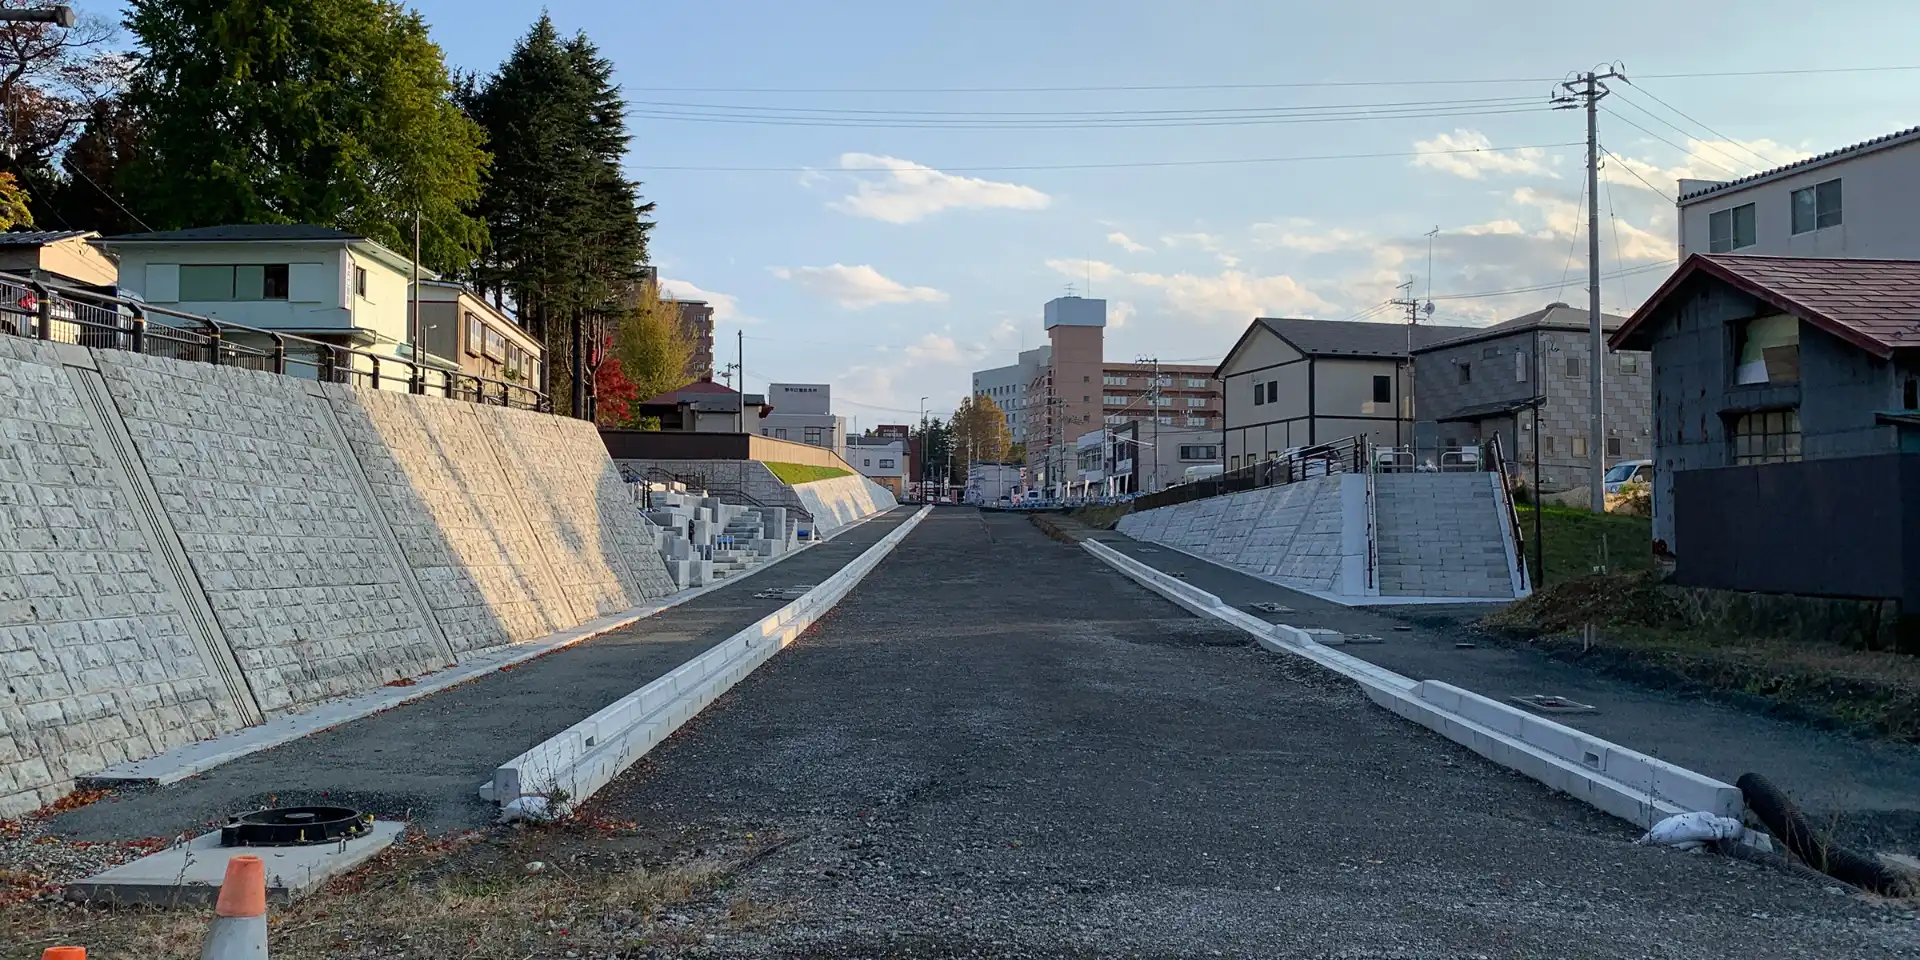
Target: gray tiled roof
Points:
(239, 232)
(1349, 338)
(39, 238)
(1553, 316)
(1866, 146)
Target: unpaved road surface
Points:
(997, 747)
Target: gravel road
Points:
(995, 746)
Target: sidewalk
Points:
(423, 761)
(1869, 790)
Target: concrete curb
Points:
(193, 759)
(590, 754)
(1625, 783)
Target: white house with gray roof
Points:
(1295, 383)
(1857, 201)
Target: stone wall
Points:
(1297, 533)
(187, 549)
(831, 504)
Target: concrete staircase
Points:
(703, 540)
(1441, 535)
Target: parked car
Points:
(1625, 472)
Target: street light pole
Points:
(60, 16)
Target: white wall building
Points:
(1007, 387)
(803, 412)
(880, 459)
(1857, 201)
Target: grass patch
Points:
(796, 473)
(1575, 540)
(1646, 635)
(1102, 517)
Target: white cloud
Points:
(1202, 241)
(856, 287)
(1127, 243)
(1306, 237)
(1444, 153)
(937, 365)
(1232, 294)
(913, 191)
(1119, 312)
(1704, 160)
(726, 308)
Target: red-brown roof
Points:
(691, 391)
(1872, 304)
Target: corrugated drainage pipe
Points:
(1785, 821)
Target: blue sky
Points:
(888, 270)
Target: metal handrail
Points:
(134, 328)
(1373, 527)
(1347, 455)
(1513, 513)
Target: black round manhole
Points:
(295, 827)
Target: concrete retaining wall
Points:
(1301, 533)
(832, 503)
(842, 500)
(187, 549)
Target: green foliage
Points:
(568, 230)
(793, 473)
(13, 204)
(332, 112)
(654, 350)
(1577, 541)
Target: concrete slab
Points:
(190, 875)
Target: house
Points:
(60, 257)
(1857, 201)
(880, 459)
(706, 407)
(1501, 380)
(320, 283)
(806, 415)
(1294, 383)
(460, 325)
(1760, 361)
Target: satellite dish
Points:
(1429, 308)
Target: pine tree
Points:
(568, 229)
(333, 112)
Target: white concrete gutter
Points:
(1625, 783)
(581, 759)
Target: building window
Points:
(476, 335)
(1259, 394)
(1234, 464)
(1199, 452)
(812, 435)
(1816, 207)
(1573, 367)
(1579, 447)
(1768, 350)
(1629, 363)
(1519, 366)
(1489, 353)
(1382, 389)
(1113, 381)
(1729, 230)
(1166, 421)
(779, 433)
(868, 462)
(360, 281)
(1197, 383)
(1466, 373)
(225, 283)
(1912, 398)
(1769, 437)
(1114, 400)
(1613, 446)
(1196, 401)
(765, 432)
(1196, 421)
(1087, 379)
(1546, 445)
(496, 344)
(1273, 391)
(886, 464)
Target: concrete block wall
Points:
(1295, 533)
(839, 501)
(832, 503)
(1442, 535)
(188, 549)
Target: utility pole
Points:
(1587, 90)
(1153, 403)
(414, 327)
(740, 362)
(1411, 415)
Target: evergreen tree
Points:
(334, 112)
(568, 228)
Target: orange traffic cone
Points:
(240, 918)
(64, 953)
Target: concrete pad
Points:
(190, 875)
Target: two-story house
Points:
(1503, 379)
(1762, 360)
(460, 325)
(1295, 383)
(1857, 201)
(319, 283)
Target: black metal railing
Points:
(730, 493)
(35, 310)
(1495, 454)
(1340, 456)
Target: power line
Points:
(1763, 158)
(75, 168)
(1636, 175)
(1689, 134)
(1288, 85)
(1537, 288)
(1683, 150)
(1121, 164)
(1283, 120)
(751, 109)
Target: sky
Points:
(915, 199)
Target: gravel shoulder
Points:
(1867, 790)
(424, 760)
(996, 746)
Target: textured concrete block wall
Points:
(99, 652)
(279, 528)
(1293, 533)
(839, 501)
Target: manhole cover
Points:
(295, 827)
(1547, 703)
(1267, 606)
(1177, 575)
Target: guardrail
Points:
(40, 311)
(1495, 454)
(1340, 456)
